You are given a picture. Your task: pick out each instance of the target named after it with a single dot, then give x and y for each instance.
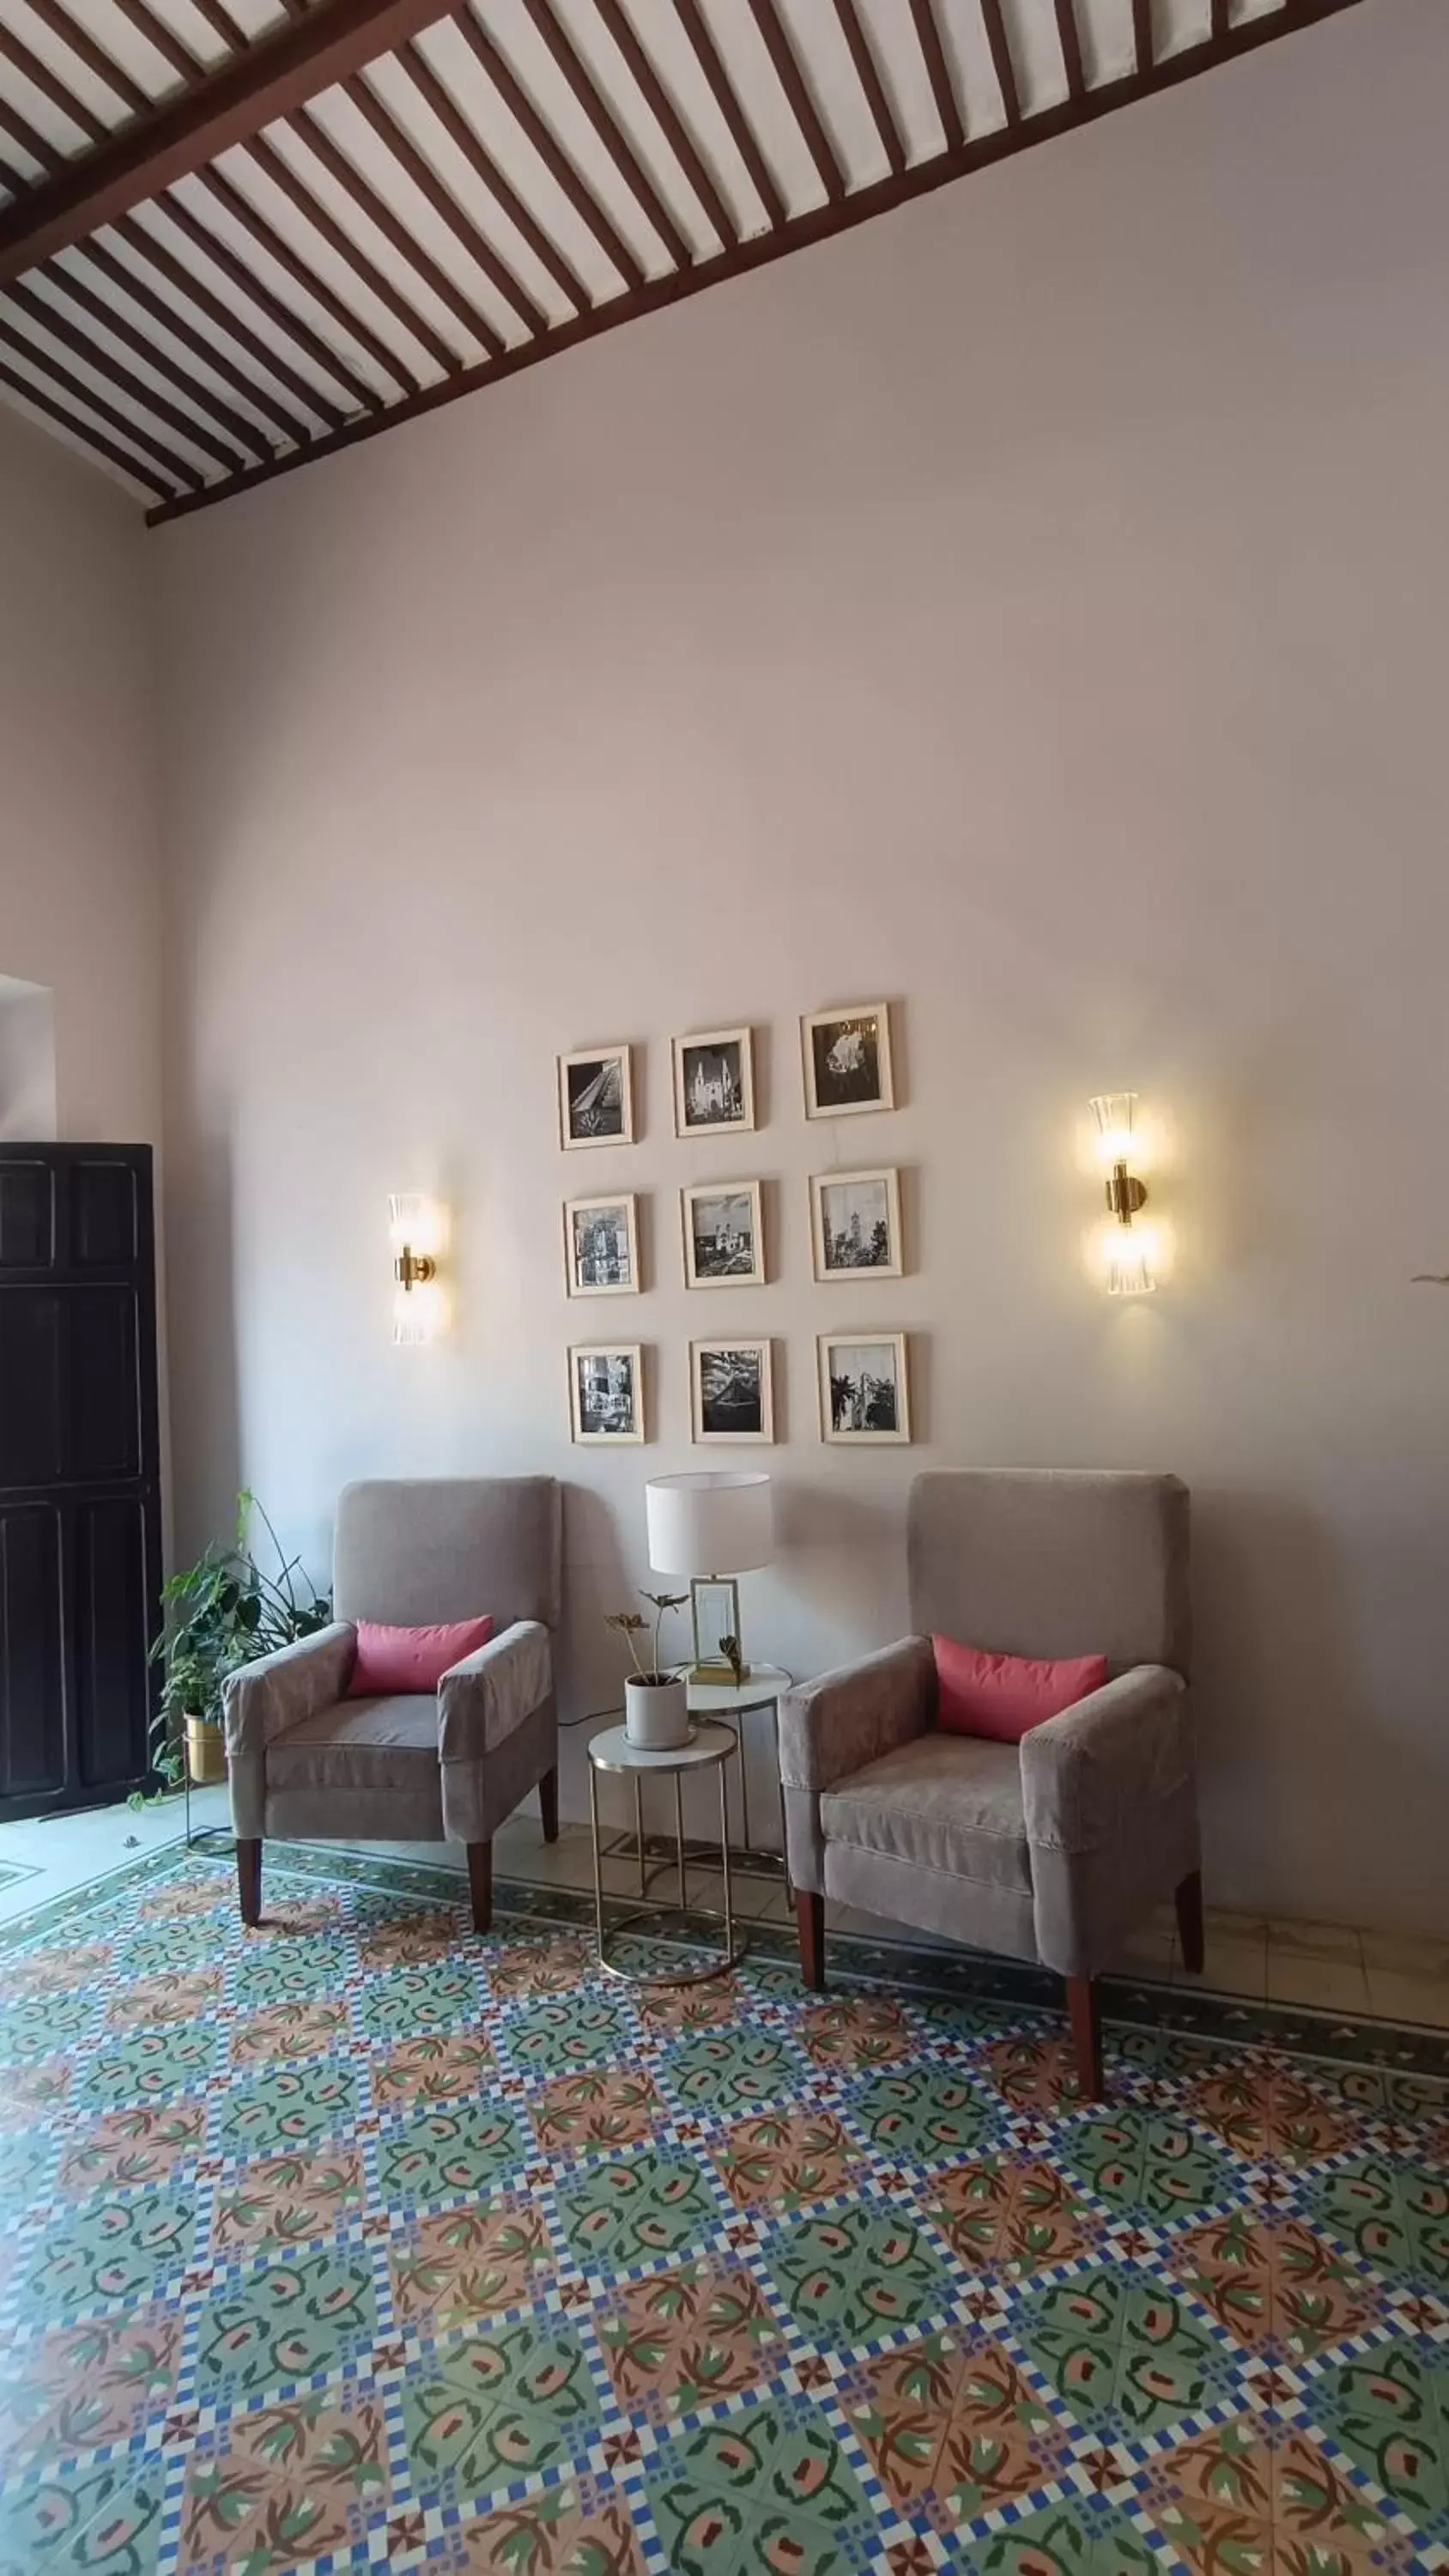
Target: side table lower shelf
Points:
(710, 1747)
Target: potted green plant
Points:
(221, 1612)
(656, 1703)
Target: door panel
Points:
(79, 1473)
(109, 1583)
(103, 1412)
(32, 1436)
(32, 1657)
(27, 1215)
(104, 1216)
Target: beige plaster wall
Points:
(1029, 607)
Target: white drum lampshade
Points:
(720, 1523)
(710, 1527)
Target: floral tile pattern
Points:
(357, 2240)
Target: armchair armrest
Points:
(1115, 1755)
(482, 1699)
(834, 1725)
(263, 1699)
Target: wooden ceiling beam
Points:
(244, 433)
(797, 92)
(69, 31)
(49, 365)
(51, 318)
(669, 120)
(223, 192)
(15, 50)
(187, 286)
(262, 81)
(557, 163)
(172, 49)
(868, 74)
(570, 65)
(399, 143)
(938, 70)
(439, 98)
(94, 438)
(221, 22)
(244, 282)
(294, 186)
(1001, 59)
(21, 131)
(1142, 39)
(12, 178)
(742, 133)
(920, 179)
(1069, 38)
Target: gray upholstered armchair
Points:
(305, 1760)
(1052, 1849)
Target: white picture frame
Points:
(846, 1058)
(595, 1098)
(732, 1374)
(724, 1234)
(601, 1245)
(856, 1213)
(714, 1082)
(867, 1363)
(606, 1387)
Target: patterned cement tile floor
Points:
(359, 2240)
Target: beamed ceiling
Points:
(237, 235)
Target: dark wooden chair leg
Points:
(1085, 2010)
(480, 1885)
(548, 1805)
(810, 1918)
(1189, 1921)
(249, 1879)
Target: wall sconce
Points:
(415, 1225)
(1127, 1247)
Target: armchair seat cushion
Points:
(367, 1744)
(951, 1803)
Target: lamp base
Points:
(722, 1676)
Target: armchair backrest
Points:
(1053, 1561)
(416, 1550)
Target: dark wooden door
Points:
(80, 1554)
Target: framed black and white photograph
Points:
(601, 1246)
(855, 1225)
(595, 1098)
(724, 1238)
(863, 1391)
(606, 1393)
(714, 1081)
(848, 1060)
(732, 1393)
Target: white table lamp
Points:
(712, 1527)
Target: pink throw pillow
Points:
(411, 1659)
(1003, 1696)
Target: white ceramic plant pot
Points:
(656, 1714)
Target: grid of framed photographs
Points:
(727, 1231)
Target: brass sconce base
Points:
(1125, 1194)
(414, 1269)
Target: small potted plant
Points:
(221, 1612)
(656, 1703)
